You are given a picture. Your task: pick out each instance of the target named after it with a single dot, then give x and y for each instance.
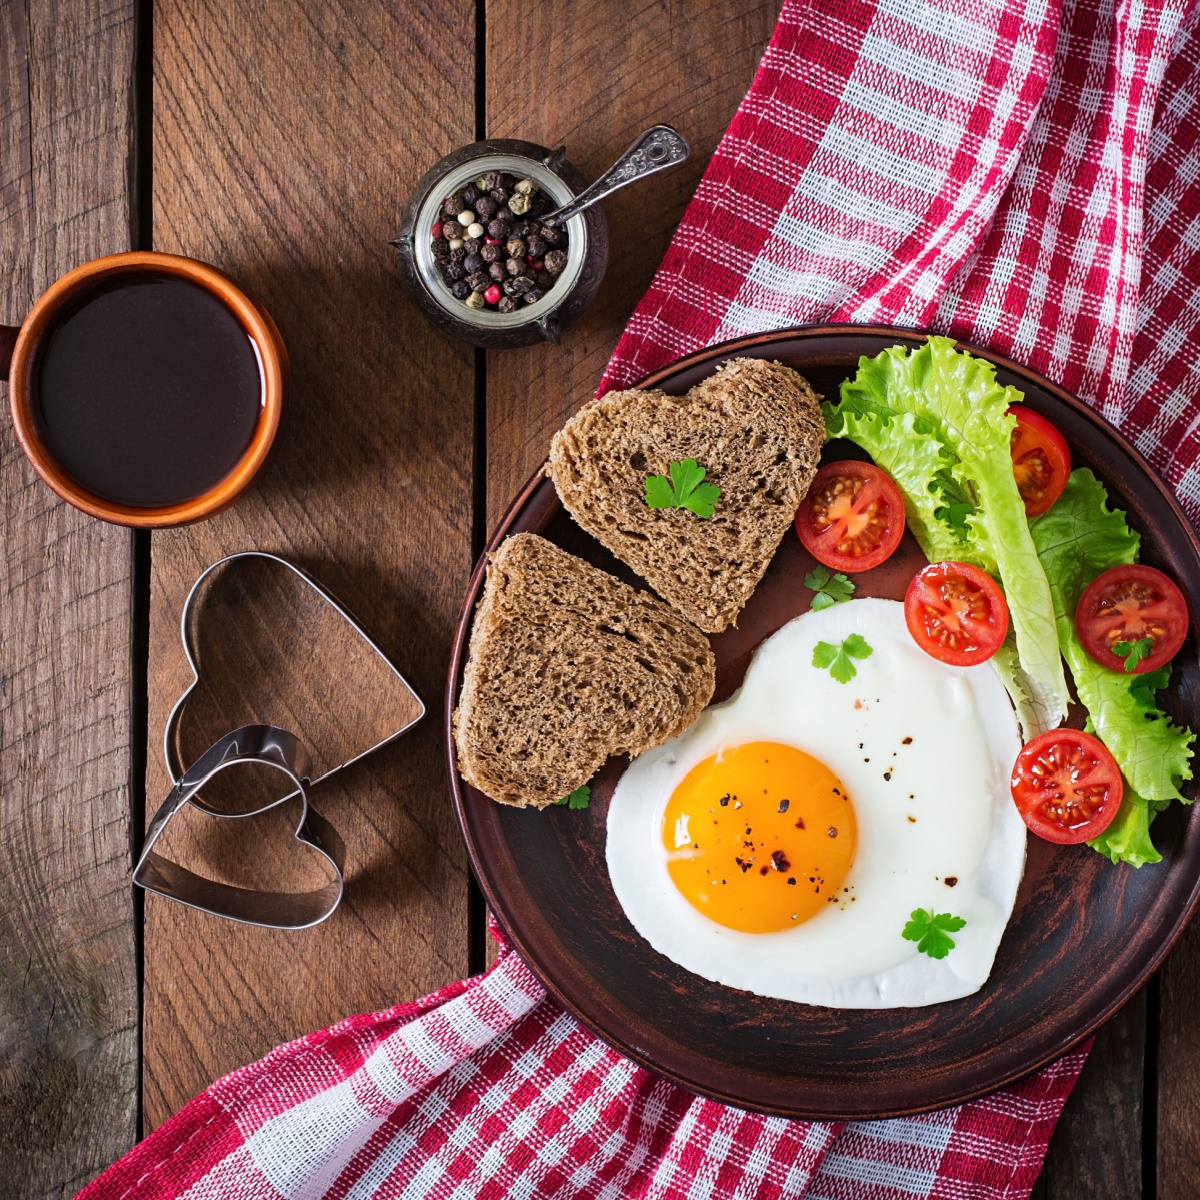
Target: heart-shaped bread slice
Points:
(755, 427)
(567, 667)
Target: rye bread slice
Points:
(756, 428)
(568, 666)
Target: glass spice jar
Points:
(573, 289)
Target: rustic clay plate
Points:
(1084, 935)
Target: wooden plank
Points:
(1096, 1151)
(1178, 1109)
(605, 71)
(285, 139)
(68, 965)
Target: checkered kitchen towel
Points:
(1024, 174)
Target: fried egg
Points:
(781, 844)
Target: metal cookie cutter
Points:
(262, 744)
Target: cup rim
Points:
(259, 327)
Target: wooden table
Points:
(278, 141)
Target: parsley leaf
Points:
(684, 489)
(578, 798)
(837, 657)
(1133, 652)
(1143, 687)
(932, 932)
(830, 588)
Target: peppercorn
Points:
(459, 252)
(492, 179)
(453, 272)
(473, 262)
(556, 261)
(490, 253)
(507, 305)
(451, 207)
(504, 213)
(544, 279)
(475, 300)
(497, 272)
(523, 283)
(515, 247)
(474, 230)
(535, 247)
(441, 250)
(498, 229)
(484, 207)
(533, 295)
(473, 245)
(500, 195)
(460, 290)
(550, 235)
(479, 281)
(515, 266)
(465, 217)
(526, 187)
(470, 195)
(511, 289)
(493, 294)
(519, 204)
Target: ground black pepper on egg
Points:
(513, 259)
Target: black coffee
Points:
(147, 390)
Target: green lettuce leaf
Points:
(938, 421)
(1080, 537)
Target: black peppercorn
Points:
(511, 289)
(451, 207)
(469, 196)
(497, 272)
(522, 284)
(555, 261)
(489, 253)
(500, 195)
(504, 213)
(515, 248)
(441, 250)
(473, 245)
(544, 279)
(507, 180)
(458, 254)
(498, 229)
(507, 304)
(550, 235)
(453, 272)
(479, 281)
(473, 262)
(533, 295)
(493, 179)
(460, 290)
(484, 207)
(515, 266)
(535, 247)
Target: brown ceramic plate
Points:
(1083, 938)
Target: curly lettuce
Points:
(1080, 537)
(937, 421)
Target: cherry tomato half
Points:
(956, 613)
(1129, 604)
(1066, 786)
(1041, 460)
(853, 516)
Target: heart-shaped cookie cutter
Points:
(266, 745)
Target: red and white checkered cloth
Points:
(1024, 174)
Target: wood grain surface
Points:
(68, 966)
(285, 136)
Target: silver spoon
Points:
(658, 149)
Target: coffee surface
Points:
(147, 390)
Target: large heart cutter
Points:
(261, 744)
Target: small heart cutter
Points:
(266, 745)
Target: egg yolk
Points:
(760, 837)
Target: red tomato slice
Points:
(956, 612)
(1129, 604)
(1066, 786)
(1041, 460)
(853, 516)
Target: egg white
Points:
(851, 954)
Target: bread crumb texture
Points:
(567, 667)
(756, 428)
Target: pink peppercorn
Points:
(492, 295)
(437, 229)
(491, 241)
(537, 264)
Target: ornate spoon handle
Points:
(655, 150)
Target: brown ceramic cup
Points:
(19, 349)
